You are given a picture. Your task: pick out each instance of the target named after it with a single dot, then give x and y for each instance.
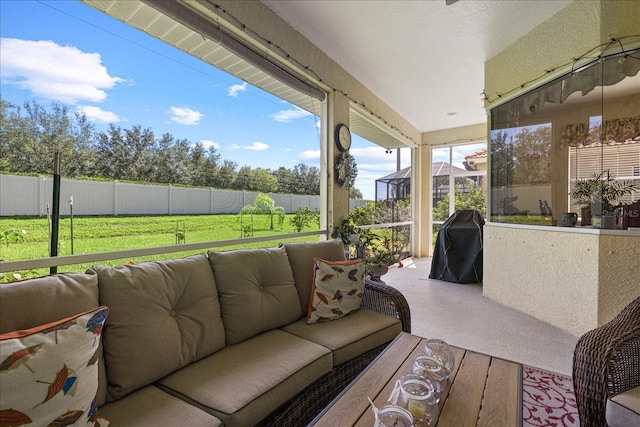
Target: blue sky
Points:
(65, 51)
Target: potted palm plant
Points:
(600, 197)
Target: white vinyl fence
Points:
(32, 196)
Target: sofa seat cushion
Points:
(257, 292)
(152, 407)
(349, 336)
(243, 383)
(623, 409)
(301, 257)
(163, 316)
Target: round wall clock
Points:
(343, 137)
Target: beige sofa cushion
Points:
(256, 290)
(623, 409)
(49, 299)
(301, 256)
(243, 383)
(152, 407)
(163, 315)
(349, 336)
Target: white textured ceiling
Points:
(424, 58)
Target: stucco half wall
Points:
(572, 278)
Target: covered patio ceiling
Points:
(425, 59)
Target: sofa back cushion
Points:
(163, 316)
(301, 257)
(35, 302)
(257, 292)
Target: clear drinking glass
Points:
(393, 416)
(441, 350)
(415, 394)
(431, 368)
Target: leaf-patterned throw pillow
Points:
(337, 289)
(49, 374)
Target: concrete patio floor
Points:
(462, 316)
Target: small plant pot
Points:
(379, 270)
(376, 271)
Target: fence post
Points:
(116, 195)
(41, 196)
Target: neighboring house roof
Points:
(443, 168)
(438, 168)
(401, 174)
(471, 161)
(477, 155)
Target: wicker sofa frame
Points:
(312, 400)
(606, 362)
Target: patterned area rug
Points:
(548, 399)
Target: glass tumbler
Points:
(441, 350)
(415, 394)
(431, 368)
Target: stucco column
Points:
(421, 204)
(338, 197)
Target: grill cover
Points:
(457, 255)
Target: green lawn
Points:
(104, 234)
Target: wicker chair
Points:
(606, 361)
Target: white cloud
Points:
(233, 90)
(309, 155)
(185, 116)
(59, 73)
(96, 114)
(286, 116)
(208, 143)
(256, 146)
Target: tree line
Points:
(521, 159)
(29, 135)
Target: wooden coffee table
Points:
(482, 390)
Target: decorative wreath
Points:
(346, 170)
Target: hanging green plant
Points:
(346, 170)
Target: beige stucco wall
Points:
(618, 275)
(573, 279)
(552, 276)
(576, 29)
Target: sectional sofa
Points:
(222, 338)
